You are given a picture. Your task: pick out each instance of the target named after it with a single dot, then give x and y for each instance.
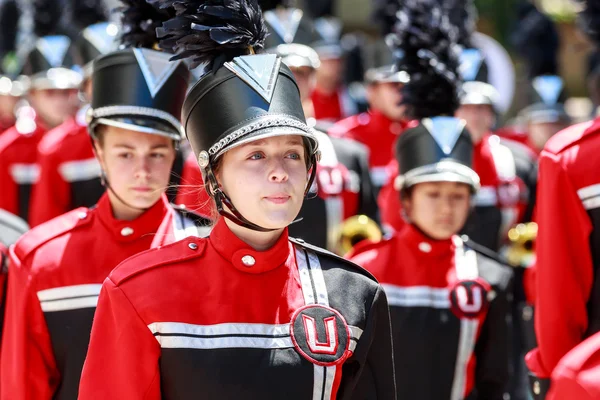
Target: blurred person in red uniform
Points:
(52, 97)
(331, 98)
(247, 312)
(57, 268)
(69, 173)
(448, 298)
(566, 295)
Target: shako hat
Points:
(438, 148)
(138, 88)
(241, 96)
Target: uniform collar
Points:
(243, 257)
(128, 231)
(422, 244)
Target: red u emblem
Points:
(312, 336)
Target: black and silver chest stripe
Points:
(177, 335)
(69, 297)
(439, 298)
(314, 291)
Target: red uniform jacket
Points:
(568, 245)
(497, 204)
(577, 374)
(448, 307)
(213, 318)
(18, 165)
(56, 271)
(69, 173)
(378, 133)
(334, 106)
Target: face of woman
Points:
(266, 179)
(439, 209)
(137, 165)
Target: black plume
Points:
(212, 32)
(47, 16)
(536, 40)
(463, 15)
(139, 22)
(426, 44)
(589, 18)
(87, 12)
(10, 14)
(384, 14)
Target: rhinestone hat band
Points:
(111, 111)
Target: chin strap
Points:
(235, 216)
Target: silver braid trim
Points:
(111, 111)
(261, 123)
(420, 174)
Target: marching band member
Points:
(448, 298)
(57, 269)
(247, 312)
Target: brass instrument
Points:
(521, 252)
(356, 229)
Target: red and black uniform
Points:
(69, 172)
(497, 203)
(448, 307)
(239, 323)
(567, 297)
(19, 169)
(378, 133)
(576, 375)
(56, 271)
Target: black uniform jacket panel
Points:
(448, 312)
(213, 318)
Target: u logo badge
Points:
(320, 334)
(468, 299)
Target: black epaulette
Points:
(478, 248)
(203, 224)
(327, 253)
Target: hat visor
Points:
(270, 132)
(56, 78)
(143, 125)
(329, 52)
(298, 61)
(445, 171)
(475, 99)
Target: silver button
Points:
(126, 231)
(248, 261)
(300, 240)
(425, 247)
(193, 246)
(82, 215)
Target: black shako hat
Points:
(241, 96)
(93, 41)
(439, 149)
(139, 88)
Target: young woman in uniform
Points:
(448, 302)
(247, 313)
(57, 269)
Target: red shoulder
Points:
(347, 125)
(369, 245)
(49, 230)
(55, 139)
(572, 135)
(7, 137)
(183, 250)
